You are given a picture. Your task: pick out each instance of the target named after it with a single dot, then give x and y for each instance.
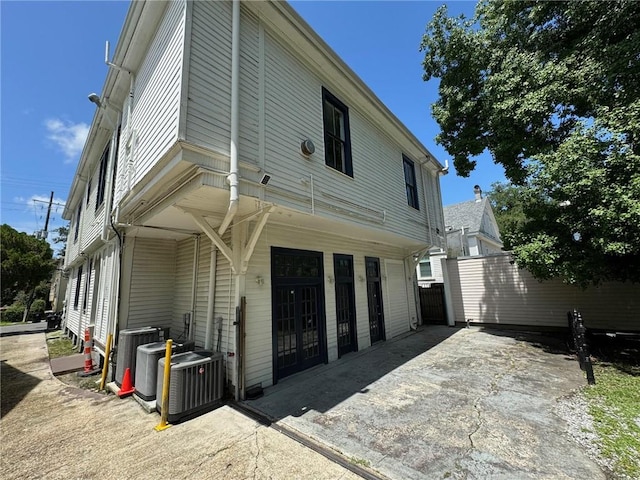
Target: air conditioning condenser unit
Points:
(195, 383)
(147, 365)
(128, 342)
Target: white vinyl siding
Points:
(183, 293)
(202, 291)
(492, 290)
(397, 319)
(151, 284)
(258, 359)
(73, 313)
(209, 97)
(293, 112)
(157, 91)
(108, 258)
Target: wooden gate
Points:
(432, 305)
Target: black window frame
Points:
(77, 223)
(411, 184)
(88, 191)
(331, 138)
(76, 298)
(102, 176)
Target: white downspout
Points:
(129, 145)
(212, 293)
(194, 288)
(235, 106)
(106, 224)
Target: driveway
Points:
(441, 403)
(55, 431)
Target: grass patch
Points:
(60, 347)
(360, 462)
(614, 403)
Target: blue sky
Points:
(53, 57)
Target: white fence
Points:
(492, 290)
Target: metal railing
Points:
(577, 331)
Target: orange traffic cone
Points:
(127, 387)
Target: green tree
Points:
(507, 203)
(26, 262)
(62, 235)
(552, 91)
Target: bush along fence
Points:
(578, 339)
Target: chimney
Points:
(478, 192)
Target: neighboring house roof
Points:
(465, 214)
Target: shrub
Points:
(38, 306)
(13, 313)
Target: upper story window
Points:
(337, 140)
(76, 228)
(102, 177)
(425, 269)
(88, 191)
(410, 183)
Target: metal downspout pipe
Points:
(235, 119)
(194, 288)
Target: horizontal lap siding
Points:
(152, 283)
(108, 268)
(223, 301)
(249, 89)
(202, 291)
(492, 290)
(157, 91)
(397, 318)
(73, 314)
(209, 98)
(259, 319)
(293, 112)
(182, 295)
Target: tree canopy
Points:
(552, 91)
(26, 261)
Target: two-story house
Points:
(236, 164)
(471, 231)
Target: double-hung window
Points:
(337, 140)
(102, 177)
(425, 269)
(77, 222)
(76, 297)
(410, 183)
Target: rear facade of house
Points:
(237, 169)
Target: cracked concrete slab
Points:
(54, 431)
(442, 403)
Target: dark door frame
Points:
(296, 282)
(349, 281)
(375, 281)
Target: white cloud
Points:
(68, 136)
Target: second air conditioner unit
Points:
(147, 366)
(195, 383)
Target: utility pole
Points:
(46, 222)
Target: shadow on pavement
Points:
(14, 386)
(323, 387)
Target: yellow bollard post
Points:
(164, 414)
(105, 367)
